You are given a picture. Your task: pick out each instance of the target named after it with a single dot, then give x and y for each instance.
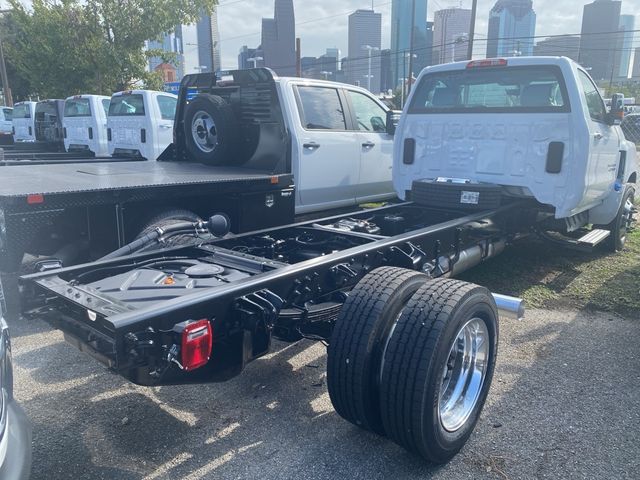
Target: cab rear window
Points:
(529, 89)
(21, 111)
(127, 105)
(78, 107)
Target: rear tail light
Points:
(90, 133)
(143, 136)
(108, 134)
(489, 62)
(64, 132)
(196, 344)
(30, 131)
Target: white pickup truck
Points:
(85, 124)
(341, 153)
(483, 132)
(24, 116)
(140, 123)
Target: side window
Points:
(8, 114)
(167, 107)
(321, 108)
(105, 104)
(370, 116)
(594, 101)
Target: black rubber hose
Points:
(150, 238)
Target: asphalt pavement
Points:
(565, 403)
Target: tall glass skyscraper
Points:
(600, 38)
(279, 39)
(512, 26)
(401, 17)
(365, 30)
(627, 26)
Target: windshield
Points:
(46, 109)
(21, 110)
(127, 105)
(78, 107)
(531, 89)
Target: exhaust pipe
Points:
(509, 308)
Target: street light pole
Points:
(255, 61)
(369, 48)
(411, 45)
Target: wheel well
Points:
(633, 178)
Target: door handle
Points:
(311, 146)
(598, 136)
(166, 126)
(368, 145)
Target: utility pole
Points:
(411, 44)
(472, 28)
(8, 98)
(298, 58)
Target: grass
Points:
(546, 275)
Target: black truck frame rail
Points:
(293, 282)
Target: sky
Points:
(322, 24)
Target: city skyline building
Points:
(250, 58)
(627, 26)
(600, 21)
(279, 39)
(365, 44)
(451, 34)
(401, 22)
(512, 26)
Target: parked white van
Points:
(140, 123)
(6, 125)
(85, 124)
(24, 116)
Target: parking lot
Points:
(564, 404)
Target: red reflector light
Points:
(489, 62)
(197, 341)
(35, 198)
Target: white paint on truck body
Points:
(478, 123)
(342, 154)
(24, 116)
(140, 123)
(85, 124)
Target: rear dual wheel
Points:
(414, 364)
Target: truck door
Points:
(328, 155)
(375, 145)
(167, 107)
(604, 152)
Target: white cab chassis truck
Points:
(482, 133)
(24, 116)
(85, 124)
(140, 123)
(411, 351)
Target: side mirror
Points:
(616, 112)
(393, 117)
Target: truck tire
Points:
(621, 225)
(211, 130)
(446, 323)
(357, 341)
(167, 217)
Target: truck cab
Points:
(6, 125)
(85, 124)
(48, 123)
(332, 136)
(532, 127)
(342, 153)
(140, 123)
(24, 129)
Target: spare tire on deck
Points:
(211, 130)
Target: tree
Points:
(94, 46)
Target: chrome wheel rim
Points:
(204, 132)
(627, 221)
(464, 374)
